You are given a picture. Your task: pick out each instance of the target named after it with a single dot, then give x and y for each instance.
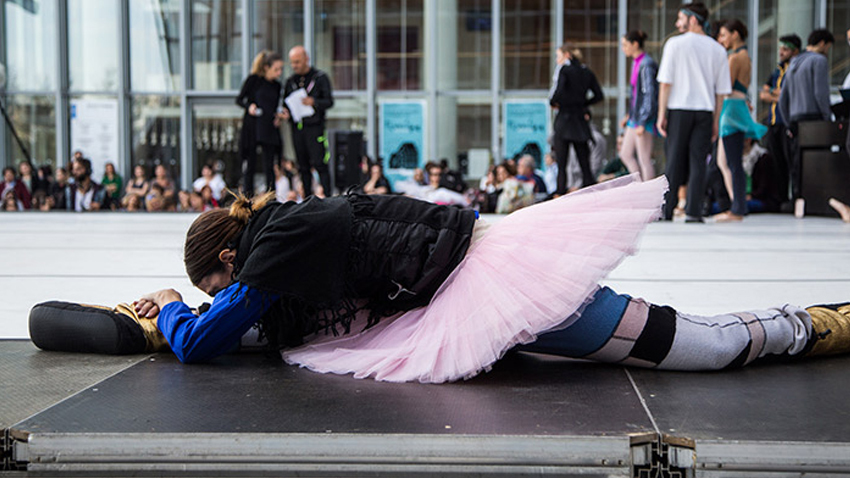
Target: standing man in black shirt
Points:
(308, 134)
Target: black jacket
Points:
(259, 129)
(326, 257)
(318, 86)
(643, 108)
(570, 97)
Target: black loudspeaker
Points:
(347, 154)
(825, 166)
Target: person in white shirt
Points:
(212, 179)
(694, 79)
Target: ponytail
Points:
(214, 230)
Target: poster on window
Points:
(402, 133)
(94, 132)
(526, 129)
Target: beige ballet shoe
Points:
(727, 217)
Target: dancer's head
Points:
(632, 43)
(268, 64)
(693, 17)
(209, 251)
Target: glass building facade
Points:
(160, 76)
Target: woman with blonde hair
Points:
(260, 97)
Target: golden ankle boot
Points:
(155, 340)
(831, 327)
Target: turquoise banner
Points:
(526, 128)
(402, 133)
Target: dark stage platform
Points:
(532, 415)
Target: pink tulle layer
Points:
(529, 272)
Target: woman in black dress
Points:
(260, 96)
(569, 95)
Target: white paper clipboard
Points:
(297, 109)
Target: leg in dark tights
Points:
(270, 155)
(562, 155)
(583, 156)
(734, 147)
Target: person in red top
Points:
(11, 184)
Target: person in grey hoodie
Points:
(805, 95)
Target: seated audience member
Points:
(614, 167)
(764, 193)
(598, 153)
(209, 201)
(526, 173)
(377, 182)
(11, 184)
(155, 200)
(84, 194)
(212, 179)
(514, 194)
(11, 203)
(287, 182)
(113, 183)
(449, 179)
(139, 184)
(163, 178)
(28, 177)
(132, 202)
(40, 201)
(419, 177)
(550, 173)
(45, 177)
(56, 191)
(433, 192)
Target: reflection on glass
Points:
(93, 43)
(473, 21)
(348, 114)
(591, 27)
(473, 124)
(155, 45)
(341, 42)
(34, 119)
(527, 49)
(768, 52)
(156, 133)
(215, 139)
(279, 25)
(30, 45)
(216, 44)
(838, 22)
(400, 44)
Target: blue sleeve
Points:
(195, 338)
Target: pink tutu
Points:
(529, 272)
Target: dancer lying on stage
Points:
(401, 290)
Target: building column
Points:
(441, 67)
(62, 121)
(4, 158)
(495, 76)
(125, 160)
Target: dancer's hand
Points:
(661, 126)
(252, 109)
(639, 130)
(150, 304)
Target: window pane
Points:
(527, 49)
(838, 21)
(279, 25)
(216, 44)
(30, 45)
(400, 44)
(94, 131)
(34, 119)
(156, 133)
(473, 124)
(155, 45)
(215, 136)
(93, 44)
(471, 43)
(341, 42)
